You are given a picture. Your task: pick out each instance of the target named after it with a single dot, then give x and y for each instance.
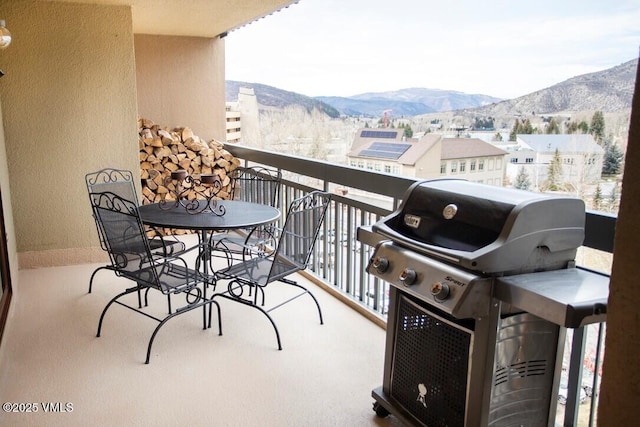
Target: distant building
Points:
(386, 150)
(472, 159)
(580, 158)
(431, 156)
(234, 123)
(243, 125)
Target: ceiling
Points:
(201, 18)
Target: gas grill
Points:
(483, 287)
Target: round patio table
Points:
(237, 215)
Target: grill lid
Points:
(486, 228)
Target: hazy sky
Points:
(500, 48)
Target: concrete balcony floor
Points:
(323, 376)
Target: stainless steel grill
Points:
(484, 284)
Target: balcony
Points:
(323, 376)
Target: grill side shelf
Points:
(570, 297)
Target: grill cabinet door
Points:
(430, 364)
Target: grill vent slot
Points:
(520, 370)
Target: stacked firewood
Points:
(163, 151)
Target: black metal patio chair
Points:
(131, 257)
(248, 279)
(120, 182)
(254, 184)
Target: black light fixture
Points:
(5, 38)
(5, 35)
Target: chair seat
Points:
(171, 277)
(260, 271)
(165, 246)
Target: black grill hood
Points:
(493, 230)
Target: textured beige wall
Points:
(181, 83)
(69, 107)
(620, 395)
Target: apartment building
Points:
(242, 119)
(431, 156)
(580, 158)
(234, 122)
(472, 159)
(386, 150)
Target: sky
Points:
(501, 48)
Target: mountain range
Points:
(406, 102)
(610, 90)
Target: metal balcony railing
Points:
(361, 198)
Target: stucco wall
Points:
(620, 394)
(69, 107)
(181, 83)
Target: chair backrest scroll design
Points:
(257, 185)
(125, 239)
(302, 226)
(116, 181)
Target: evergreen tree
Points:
(597, 127)
(597, 198)
(515, 130)
(612, 161)
(522, 180)
(497, 136)
(553, 127)
(555, 172)
(482, 123)
(521, 128)
(408, 132)
(583, 127)
(578, 127)
(614, 199)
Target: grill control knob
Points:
(440, 291)
(381, 264)
(408, 277)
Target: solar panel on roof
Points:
(385, 150)
(386, 134)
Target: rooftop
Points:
(388, 145)
(562, 142)
(463, 148)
